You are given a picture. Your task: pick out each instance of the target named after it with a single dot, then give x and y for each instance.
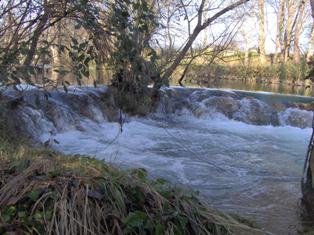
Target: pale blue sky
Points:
(249, 28)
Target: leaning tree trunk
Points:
(280, 28)
(100, 76)
(298, 29)
(289, 29)
(35, 38)
(199, 27)
(311, 41)
(309, 53)
(56, 55)
(261, 20)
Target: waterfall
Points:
(241, 152)
(57, 111)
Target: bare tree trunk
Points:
(247, 48)
(261, 20)
(247, 57)
(199, 27)
(56, 55)
(289, 29)
(100, 77)
(55, 65)
(34, 41)
(311, 41)
(298, 29)
(309, 53)
(280, 28)
(205, 39)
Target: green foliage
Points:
(265, 74)
(293, 72)
(310, 73)
(135, 222)
(133, 60)
(23, 55)
(80, 55)
(282, 72)
(114, 33)
(12, 69)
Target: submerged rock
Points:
(29, 123)
(61, 116)
(308, 106)
(253, 111)
(225, 105)
(296, 117)
(41, 112)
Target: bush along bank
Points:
(288, 74)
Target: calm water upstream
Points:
(255, 86)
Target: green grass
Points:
(233, 67)
(266, 74)
(44, 192)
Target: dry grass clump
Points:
(42, 192)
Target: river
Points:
(259, 86)
(249, 169)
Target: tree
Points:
(309, 53)
(311, 40)
(22, 34)
(290, 22)
(133, 60)
(291, 16)
(56, 53)
(200, 26)
(298, 30)
(280, 28)
(116, 32)
(261, 17)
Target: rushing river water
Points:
(241, 153)
(251, 170)
(241, 168)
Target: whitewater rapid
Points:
(251, 170)
(243, 154)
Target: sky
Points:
(249, 28)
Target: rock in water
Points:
(296, 117)
(253, 111)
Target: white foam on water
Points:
(238, 167)
(294, 117)
(253, 170)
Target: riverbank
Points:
(289, 79)
(44, 192)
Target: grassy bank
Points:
(232, 65)
(43, 192)
(289, 74)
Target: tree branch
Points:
(195, 33)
